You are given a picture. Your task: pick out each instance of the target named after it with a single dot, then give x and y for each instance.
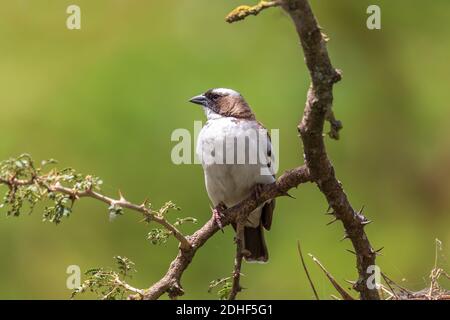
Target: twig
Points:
(236, 287)
(306, 271)
(336, 285)
(127, 287)
(391, 282)
(335, 125)
(242, 12)
(392, 292)
(138, 293)
(121, 202)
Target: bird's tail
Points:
(255, 244)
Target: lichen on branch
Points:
(242, 12)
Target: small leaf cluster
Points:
(181, 221)
(125, 266)
(159, 236)
(29, 184)
(166, 208)
(223, 286)
(107, 284)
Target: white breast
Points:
(228, 181)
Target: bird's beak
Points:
(200, 99)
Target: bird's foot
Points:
(218, 215)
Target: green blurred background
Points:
(106, 99)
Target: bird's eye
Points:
(214, 96)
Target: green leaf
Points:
(158, 236)
(224, 286)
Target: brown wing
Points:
(269, 207)
(269, 145)
(267, 214)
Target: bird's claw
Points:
(218, 214)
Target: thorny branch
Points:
(318, 109)
(90, 193)
(19, 174)
(123, 203)
(236, 287)
(170, 283)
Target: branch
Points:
(74, 194)
(242, 12)
(117, 284)
(123, 203)
(236, 287)
(127, 287)
(336, 285)
(171, 281)
(107, 283)
(27, 183)
(318, 108)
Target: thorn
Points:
(147, 218)
(306, 270)
(121, 196)
(288, 195)
(350, 282)
(328, 210)
(366, 222)
(378, 252)
(361, 210)
(345, 237)
(353, 252)
(144, 204)
(332, 221)
(336, 285)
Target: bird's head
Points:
(223, 103)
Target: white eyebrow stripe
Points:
(225, 91)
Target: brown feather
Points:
(269, 207)
(267, 214)
(255, 244)
(234, 106)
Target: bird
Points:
(226, 147)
